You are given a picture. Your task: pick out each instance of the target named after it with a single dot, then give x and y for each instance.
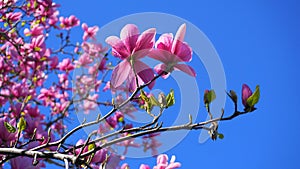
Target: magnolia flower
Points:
(100, 156)
(143, 166)
(66, 65)
(162, 162)
(12, 17)
(130, 47)
(125, 166)
(89, 32)
(246, 93)
(34, 31)
(24, 163)
(5, 136)
(171, 51)
(68, 23)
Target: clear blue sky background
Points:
(258, 43)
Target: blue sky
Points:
(258, 43)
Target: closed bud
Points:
(162, 99)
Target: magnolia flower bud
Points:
(162, 99)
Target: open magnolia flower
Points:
(171, 51)
(130, 47)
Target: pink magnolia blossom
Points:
(246, 93)
(59, 127)
(12, 17)
(68, 23)
(81, 142)
(112, 121)
(102, 65)
(5, 136)
(125, 166)
(53, 62)
(130, 48)
(94, 49)
(53, 19)
(143, 166)
(32, 123)
(66, 65)
(63, 80)
(162, 162)
(84, 60)
(47, 95)
(171, 51)
(100, 156)
(89, 32)
(24, 163)
(37, 44)
(34, 31)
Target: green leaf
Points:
(254, 98)
(144, 96)
(91, 146)
(21, 124)
(9, 127)
(170, 98)
(209, 96)
(148, 107)
(154, 101)
(220, 135)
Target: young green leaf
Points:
(9, 127)
(170, 98)
(154, 101)
(209, 96)
(254, 98)
(144, 96)
(21, 124)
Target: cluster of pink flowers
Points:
(132, 46)
(162, 163)
(35, 81)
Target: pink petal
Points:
(143, 166)
(84, 26)
(160, 68)
(120, 73)
(93, 29)
(174, 165)
(246, 93)
(38, 41)
(162, 159)
(183, 51)
(186, 69)
(161, 55)
(146, 40)
(144, 72)
(119, 48)
(179, 36)
(165, 42)
(131, 81)
(129, 34)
